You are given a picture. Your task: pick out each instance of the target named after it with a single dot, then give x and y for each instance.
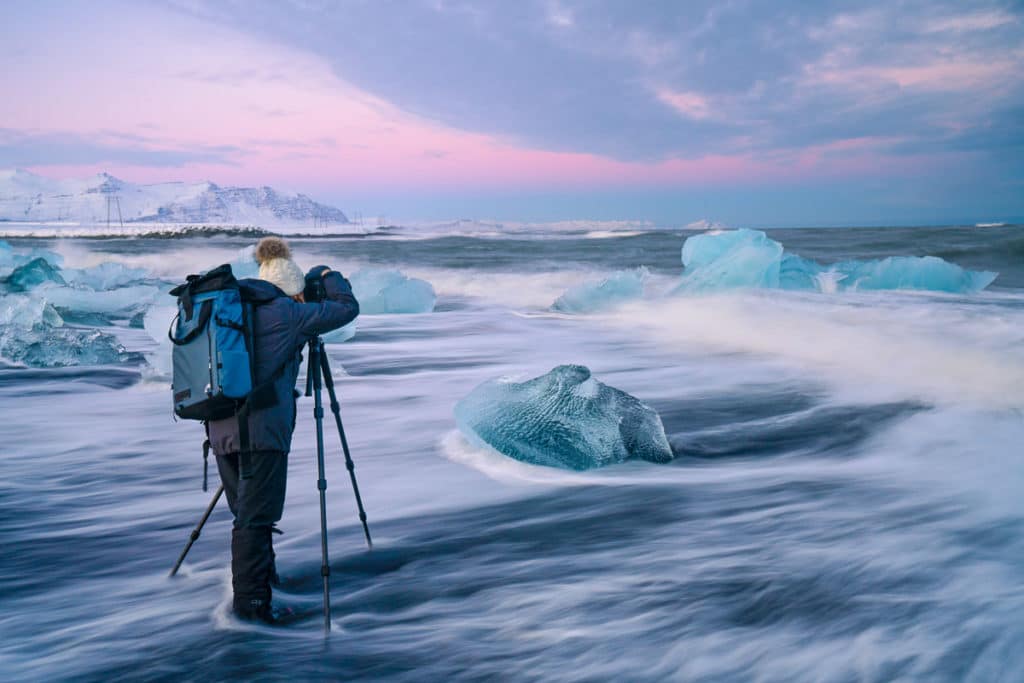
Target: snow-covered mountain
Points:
(28, 197)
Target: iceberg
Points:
(121, 302)
(389, 291)
(48, 347)
(104, 276)
(599, 295)
(28, 313)
(11, 259)
(912, 272)
(32, 333)
(32, 274)
(750, 259)
(564, 419)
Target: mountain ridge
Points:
(102, 198)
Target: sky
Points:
(760, 114)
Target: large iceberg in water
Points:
(390, 291)
(599, 295)
(564, 419)
(750, 259)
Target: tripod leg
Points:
(198, 530)
(315, 351)
(349, 464)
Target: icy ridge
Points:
(28, 197)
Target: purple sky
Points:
(771, 113)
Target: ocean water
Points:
(845, 502)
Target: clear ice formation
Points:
(122, 302)
(28, 313)
(42, 298)
(564, 419)
(744, 258)
(57, 347)
(389, 291)
(33, 333)
(104, 276)
(11, 259)
(599, 295)
(32, 274)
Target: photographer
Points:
(283, 323)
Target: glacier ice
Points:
(33, 333)
(912, 272)
(390, 291)
(32, 274)
(107, 275)
(729, 260)
(750, 259)
(120, 302)
(11, 259)
(565, 419)
(28, 313)
(599, 295)
(55, 347)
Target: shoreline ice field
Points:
(842, 407)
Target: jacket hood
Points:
(259, 291)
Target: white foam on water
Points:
(931, 350)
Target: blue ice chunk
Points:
(749, 259)
(107, 275)
(32, 274)
(799, 273)
(28, 313)
(730, 260)
(54, 347)
(912, 272)
(389, 291)
(565, 419)
(599, 295)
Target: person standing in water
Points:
(283, 323)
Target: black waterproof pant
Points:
(256, 503)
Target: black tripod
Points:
(318, 373)
(319, 370)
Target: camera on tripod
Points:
(314, 291)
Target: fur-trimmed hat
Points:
(276, 265)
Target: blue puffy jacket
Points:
(281, 328)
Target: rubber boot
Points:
(275, 580)
(251, 567)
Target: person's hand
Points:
(318, 272)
